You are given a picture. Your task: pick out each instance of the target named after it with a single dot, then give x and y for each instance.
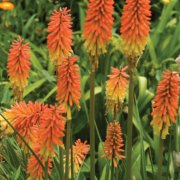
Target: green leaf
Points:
(17, 173)
(33, 86)
(35, 62)
(96, 91)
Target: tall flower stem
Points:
(68, 140)
(46, 171)
(72, 161)
(91, 123)
(61, 163)
(112, 170)
(159, 173)
(132, 69)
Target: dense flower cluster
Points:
(18, 66)
(135, 27)
(116, 88)
(59, 39)
(113, 146)
(97, 27)
(165, 103)
(68, 86)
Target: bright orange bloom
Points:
(135, 27)
(5, 5)
(165, 103)
(59, 40)
(68, 86)
(114, 143)
(116, 88)
(97, 27)
(51, 129)
(18, 66)
(34, 169)
(25, 118)
(80, 150)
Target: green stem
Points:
(91, 123)
(68, 135)
(132, 69)
(22, 139)
(46, 170)
(72, 160)
(61, 163)
(112, 170)
(159, 173)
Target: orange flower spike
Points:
(34, 169)
(52, 125)
(135, 27)
(116, 88)
(68, 86)
(80, 150)
(18, 66)
(113, 145)
(59, 39)
(25, 118)
(165, 103)
(97, 27)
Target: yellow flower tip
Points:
(165, 2)
(135, 27)
(116, 88)
(5, 5)
(5, 129)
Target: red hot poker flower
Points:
(135, 27)
(80, 150)
(97, 27)
(68, 86)
(116, 88)
(113, 145)
(25, 118)
(18, 66)
(165, 103)
(52, 125)
(59, 39)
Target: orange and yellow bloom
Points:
(116, 88)
(135, 27)
(165, 104)
(51, 129)
(113, 145)
(59, 39)
(6, 5)
(80, 150)
(18, 66)
(25, 119)
(68, 86)
(97, 27)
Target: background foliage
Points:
(29, 19)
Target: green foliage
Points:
(29, 19)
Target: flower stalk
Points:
(159, 173)
(132, 69)
(91, 123)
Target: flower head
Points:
(165, 103)
(97, 27)
(80, 150)
(59, 39)
(116, 89)
(51, 129)
(114, 143)
(68, 86)
(25, 118)
(135, 27)
(5, 5)
(18, 66)
(34, 169)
